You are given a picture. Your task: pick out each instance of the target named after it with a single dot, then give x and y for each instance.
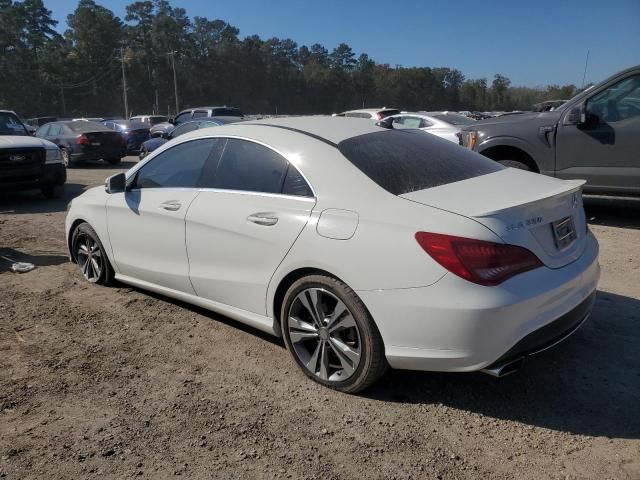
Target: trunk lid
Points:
(105, 139)
(540, 213)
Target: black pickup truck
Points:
(595, 136)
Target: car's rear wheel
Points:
(515, 164)
(90, 255)
(331, 335)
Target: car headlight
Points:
(469, 139)
(53, 156)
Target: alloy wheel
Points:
(89, 257)
(324, 335)
(65, 157)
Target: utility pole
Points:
(175, 80)
(124, 86)
(64, 105)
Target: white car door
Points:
(147, 222)
(240, 229)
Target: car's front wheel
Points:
(90, 255)
(331, 335)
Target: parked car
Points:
(82, 140)
(594, 136)
(548, 105)
(151, 120)
(39, 121)
(363, 247)
(206, 112)
(445, 125)
(160, 129)
(88, 119)
(151, 144)
(134, 133)
(375, 114)
(26, 162)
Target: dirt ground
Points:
(116, 383)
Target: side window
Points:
(250, 167)
(200, 114)
(184, 128)
(295, 184)
(56, 129)
(618, 102)
(183, 117)
(425, 123)
(412, 122)
(43, 131)
(178, 167)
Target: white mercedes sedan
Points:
(363, 247)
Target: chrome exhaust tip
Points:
(502, 369)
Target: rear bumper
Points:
(87, 154)
(32, 178)
(458, 326)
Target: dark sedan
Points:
(134, 133)
(80, 141)
(156, 142)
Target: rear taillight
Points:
(481, 262)
(82, 140)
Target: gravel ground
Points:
(114, 383)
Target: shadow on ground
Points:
(32, 201)
(620, 212)
(589, 384)
(9, 256)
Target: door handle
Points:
(171, 205)
(266, 220)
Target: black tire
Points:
(515, 164)
(66, 157)
(81, 233)
(53, 191)
(372, 363)
(113, 161)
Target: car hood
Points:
(543, 118)
(24, 141)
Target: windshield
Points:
(454, 119)
(403, 161)
(11, 125)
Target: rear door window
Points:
(183, 117)
(248, 166)
(403, 161)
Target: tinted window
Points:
(226, 112)
(251, 167)
(56, 129)
(43, 131)
(184, 128)
(183, 117)
(403, 161)
(618, 102)
(200, 114)
(295, 184)
(83, 126)
(178, 167)
(11, 125)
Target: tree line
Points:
(79, 72)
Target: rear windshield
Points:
(403, 161)
(83, 126)
(226, 112)
(385, 113)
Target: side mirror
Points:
(576, 115)
(116, 183)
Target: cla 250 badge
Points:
(529, 222)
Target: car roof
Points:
(370, 110)
(325, 128)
